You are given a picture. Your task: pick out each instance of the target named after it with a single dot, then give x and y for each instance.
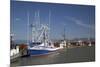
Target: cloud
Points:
(17, 19)
(80, 23)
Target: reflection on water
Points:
(83, 54)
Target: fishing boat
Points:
(40, 44)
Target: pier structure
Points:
(14, 49)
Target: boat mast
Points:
(33, 25)
(64, 36)
(89, 39)
(36, 27)
(46, 31)
(11, 41)
(49, 25)
(27, 28)
(38, 17)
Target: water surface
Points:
(66, 55)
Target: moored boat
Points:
(41, 43)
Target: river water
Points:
(66, 55)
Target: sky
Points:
(78, 20)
